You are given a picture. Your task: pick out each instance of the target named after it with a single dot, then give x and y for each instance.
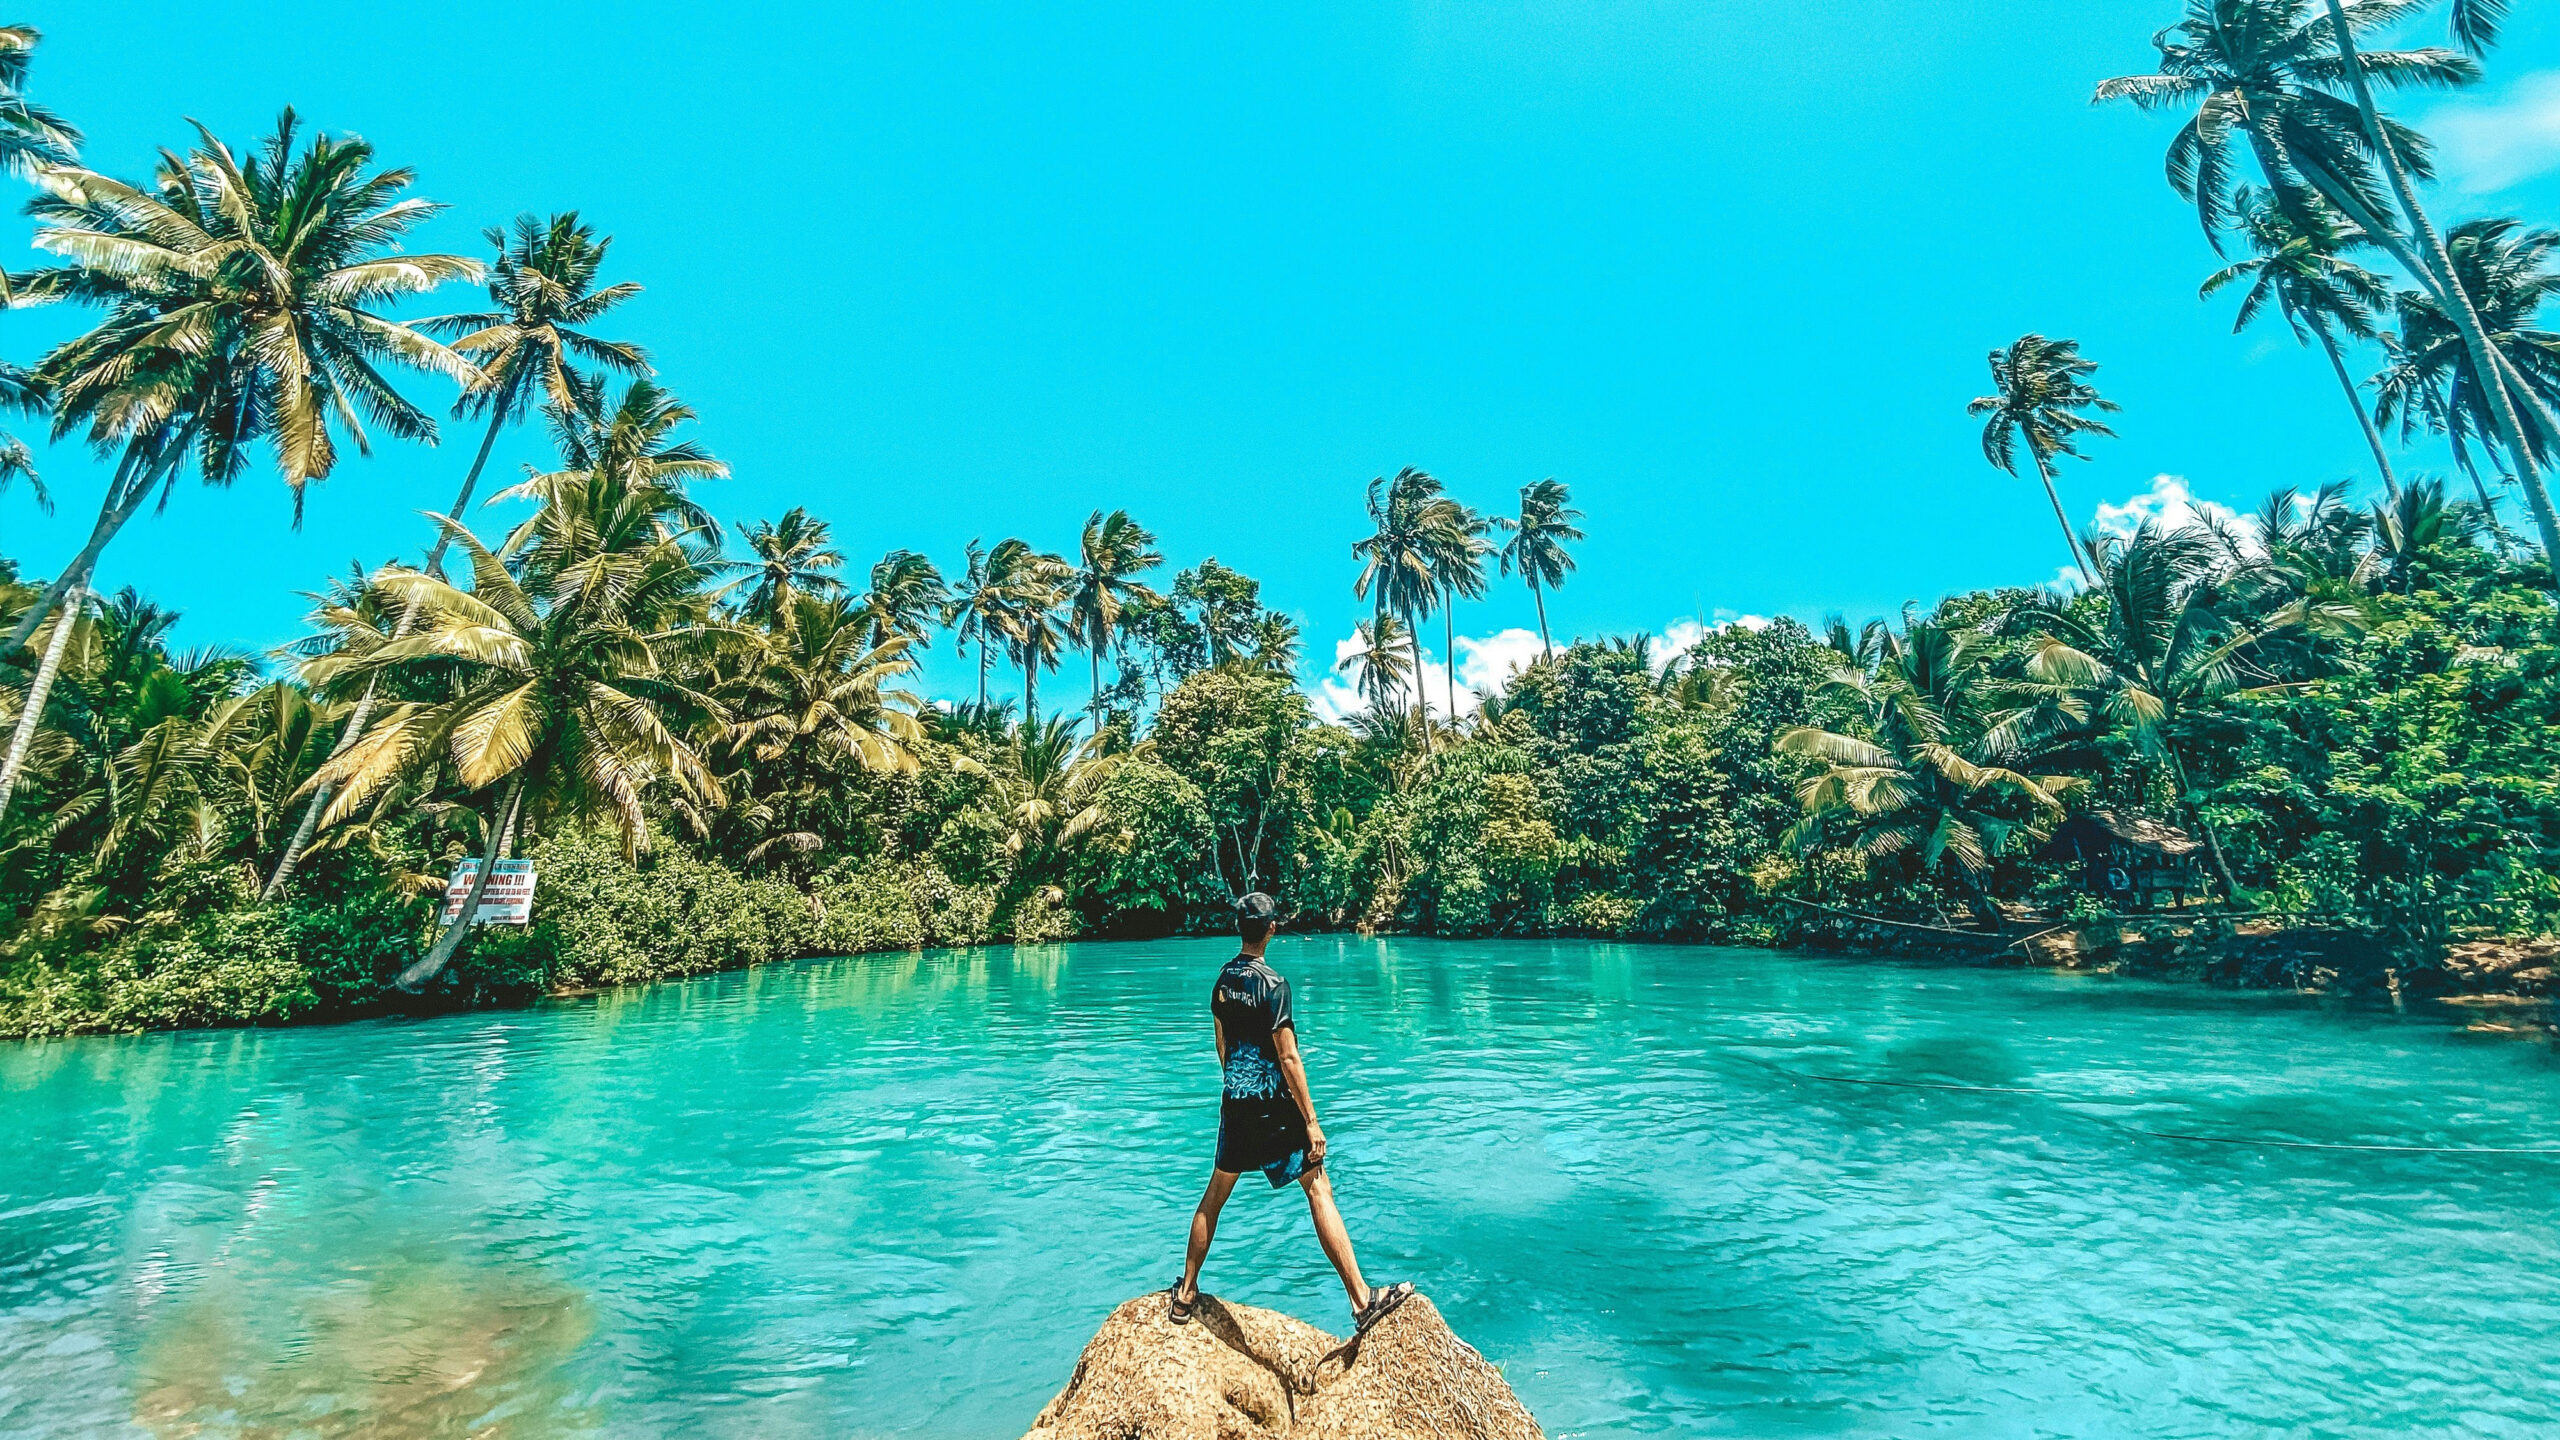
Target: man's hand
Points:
(1315, 1145)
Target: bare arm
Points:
(1220, 1026)
(1285, 1041)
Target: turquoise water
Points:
(894, 1195)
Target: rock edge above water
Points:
(1237, 1372)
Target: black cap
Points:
(1257, 907)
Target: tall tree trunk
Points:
(441, 953)
(1095, 655)
(38, 691)
(125, 494)
(363, 716)
(2044, 472)
(2195, 808)
(2355, 402)
(2435, 260)
(986, 658)
(1421, 687)
(1449, 638)
(1546, 647)
(1030, 689)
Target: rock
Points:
(1236, 1372)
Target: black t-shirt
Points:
(1251, 1002)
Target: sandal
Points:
(1178, 1309)
(1381, 1304)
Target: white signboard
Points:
(507, 901)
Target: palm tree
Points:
(906, 595)
(1379, 667)
(810, 699)
(2505, 273)
(31, 136)
(1396, 570)
(972, 614)
(239, 298)
(793, 557)
(1929, 771)
(2040, 387)
(2419, 517)
(2297, 263)
(1276, 644)
(558, 693)
(1457, 549)
(2166, 640)
(2266, 72)
(1047, 785)
(1026, 587)
(1114, 549)
(1537, 547)
(543, 282)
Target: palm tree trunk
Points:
(125, 494)
(2355, 402)
(986, 658)
(441, 953)
(363, 716)
(1421, 686)
(2212, 841)
(1030, 690)
(2435, 261)
(2044, 472)
(1449, 638)
(1546, 647)
(1095, 654)
(38, 691)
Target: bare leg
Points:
(1204, 1227)
(1335, 1239)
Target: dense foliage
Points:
(708, 746)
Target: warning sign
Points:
(507, 901)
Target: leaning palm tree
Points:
(1396, 572)
(1538, 545)
(793, 556)
(2266, 73)
(907, 594)
(1457, 548)
(242, 304)
(558, 699)
(2297, 263)
(543, 281)
(2505, 274)
(1114, 549)
(2039, 389)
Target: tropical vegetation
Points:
(712, 746)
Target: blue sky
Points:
(1729, 269)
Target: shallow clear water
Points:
(894, 1195)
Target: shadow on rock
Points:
(1236, 1372)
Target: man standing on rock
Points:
(1267, 1120)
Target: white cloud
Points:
(2168, 501)
(2486, 145)
(1487, 663)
